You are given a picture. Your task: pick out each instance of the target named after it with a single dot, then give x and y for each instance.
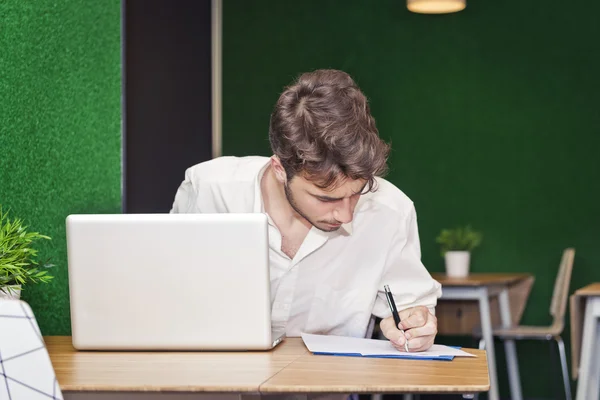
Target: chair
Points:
(558, 308)
(26, 371)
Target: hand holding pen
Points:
(412, 328)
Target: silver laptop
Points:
(170, 282)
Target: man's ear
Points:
(278, 170)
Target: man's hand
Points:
(419, 325)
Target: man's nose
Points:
(344, 212)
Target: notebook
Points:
(357, 347)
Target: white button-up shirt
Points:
(334, 284)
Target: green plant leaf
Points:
(462, 238)
(18, 264)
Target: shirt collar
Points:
(348, 228)
(259, 206)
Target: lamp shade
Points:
(435, 6)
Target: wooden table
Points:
(585, 346)
(479, 287)
(289, 368)
(238, 372)
(330, 374)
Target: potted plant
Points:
(457, 245)
(18, 265)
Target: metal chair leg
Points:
(512, 366)
(563, 365)
(557, 384)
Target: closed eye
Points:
(327, 199)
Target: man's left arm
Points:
(414, 290)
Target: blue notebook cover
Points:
(402, 356)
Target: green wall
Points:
(492, 113)
(60, 126)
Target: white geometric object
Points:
(26, 371)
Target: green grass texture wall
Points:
(492, 114)
(60, 127)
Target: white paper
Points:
(372, 347)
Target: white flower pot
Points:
(13, 294)
(457, 263)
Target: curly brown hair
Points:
(322, 127)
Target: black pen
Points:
(392, 304)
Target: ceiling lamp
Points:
(435, 6)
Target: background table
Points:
(479, 288)
(585, 341)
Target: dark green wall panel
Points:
(60, 126)
(492, 113)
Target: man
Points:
(338, 232)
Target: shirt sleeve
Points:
(184, 198)
(408, 279)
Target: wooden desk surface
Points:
(288, 368)
(319, 373)
(481, 279)
(589, 290)
(239, 372)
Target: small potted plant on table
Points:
(457, 245)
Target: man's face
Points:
(325, 209)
